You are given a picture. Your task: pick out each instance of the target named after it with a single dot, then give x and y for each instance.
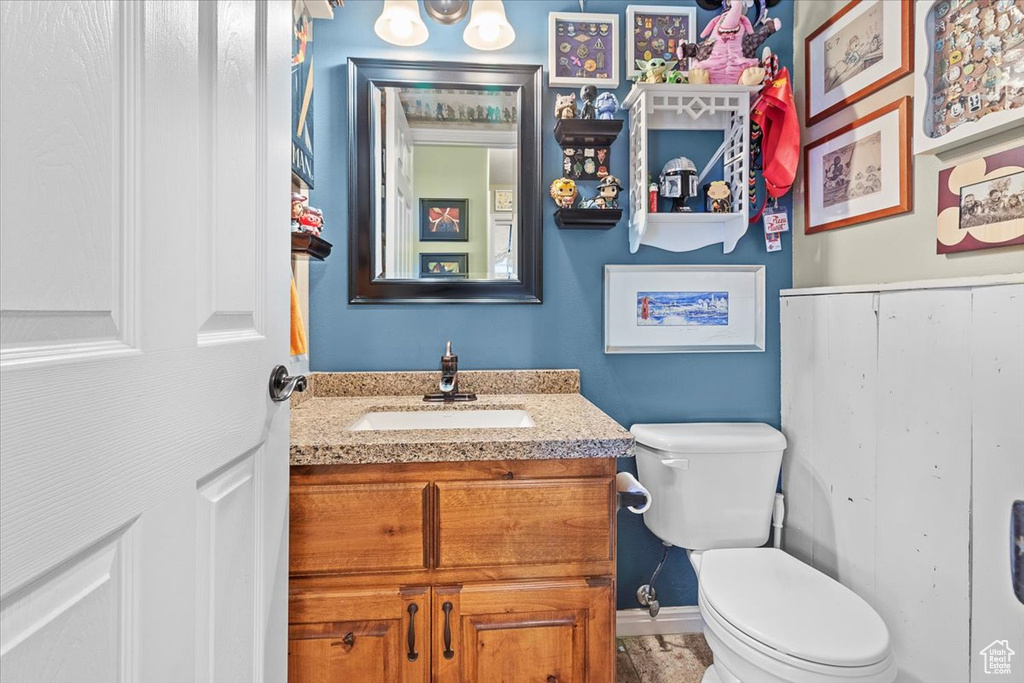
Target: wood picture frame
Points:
(636, 19)
(882, 167)
(865, 70)
(575, 39)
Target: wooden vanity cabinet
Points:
(485, 571)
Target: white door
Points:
(144, 261)
(400, 217)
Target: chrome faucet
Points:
(449, 385)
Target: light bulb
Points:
(401, 27)
(489, 31)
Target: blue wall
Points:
(564, 332)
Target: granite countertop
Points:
(566, 424)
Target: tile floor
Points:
(678, 658)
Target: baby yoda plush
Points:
(655, 70)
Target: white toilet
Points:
(768, 616)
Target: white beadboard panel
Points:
(76, 619)
(923, 470)
(798, 410)
(80, 57)
(226, 559)
(227, 225)
(997, 393)
(829, 380)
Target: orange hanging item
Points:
(298, 336)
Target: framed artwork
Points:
(981, 203)
(444, 265)
(302, 97)
(863, 48)
(860, 172)
(683, 309)
(444, 220)
(970, 80)
(583, 48)
(656, 31)
(503, 200)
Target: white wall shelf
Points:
(663, 106)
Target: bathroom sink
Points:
(443, 419)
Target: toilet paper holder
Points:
(632, 499)
(632, 495)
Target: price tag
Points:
(776, 220)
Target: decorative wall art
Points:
(444, 220)
(503, 200)
(860, 50)
(583, 48)
(859, 172)
(459, 108)
(970, 80)
(656, 31)
(302, 97)
(683, 309)
(981, 203)
(444, 265)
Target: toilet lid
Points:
(792, 607)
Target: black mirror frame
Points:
(363, 74)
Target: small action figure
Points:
(607, 193)
(679, 183)
(588, 94)
(297, 209)
(656, 70)
(565, 106)
(718, 197)
(311, 220)
(563, 191)
(606, 104)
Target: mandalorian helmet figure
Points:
(679, 182)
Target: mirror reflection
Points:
(447, 178)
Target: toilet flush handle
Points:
(677, 463)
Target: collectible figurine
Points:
(607, 193)
(565, 106)
(607, 104)
(718, 197)
(563, 191)
(311, 220)
(655, 70)
(297, 209)
(588, 94)
(727, 56)
(679, 182)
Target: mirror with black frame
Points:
(445, 187)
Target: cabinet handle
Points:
(413, 655)
(348, 641)
(448, 651)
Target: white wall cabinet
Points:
(902, 409)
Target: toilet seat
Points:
(791, 617)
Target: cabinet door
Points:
(549, 632)
(369, 636)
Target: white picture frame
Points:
(634, 12)
(990, 124)
(607, 76)
(504, 201)
(684, 308)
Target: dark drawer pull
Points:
(413, 655)
(448, 651)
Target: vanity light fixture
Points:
(488, 27)
(400, 23)
(446, 11)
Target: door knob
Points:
(282, 386)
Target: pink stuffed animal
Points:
(726, 56)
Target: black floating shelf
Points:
(587, 219)
(594, 132)
(308, 243)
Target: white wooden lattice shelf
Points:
(661, 106)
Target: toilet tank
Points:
(712, 484)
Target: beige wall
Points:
(892, 249)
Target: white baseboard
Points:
(638, 622)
